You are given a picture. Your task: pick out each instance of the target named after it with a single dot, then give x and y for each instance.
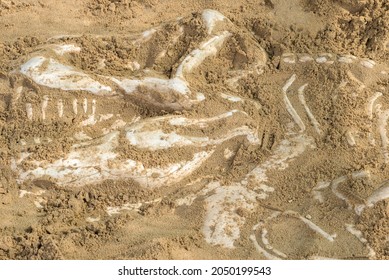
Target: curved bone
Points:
(211, 18)
(311, 117)
(148, 134)
(196, 57)
(380, 194)
(268, 250)
(370, 104)
(289, 106)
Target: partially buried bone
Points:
(149, 134)
(267, 249)
(222, 224)
(50, 73)
(96, 160)
(151, 88)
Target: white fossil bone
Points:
(370, 104)
(368, 63)
(92, 219)
(143, 136)
(325, 58)
(360, 174)
(268, 250)
(222, 224)
(67, 48)
(350, 138)
(96, 160)
(202, 122)
(29, 111)
(75, 106)
(334, 187)
(261, 250)
(311, 117)
(231, 98)
(358, 234)
(94, 107)
(305, 58)
(175, 92)
(383, 117)
(112, 210)
(321, 59)
(380, 194)
(289, 106)
(45, 103)
(146, 36)
(50, 73)
(347, 59)
(211, 18)
(197, 56)
(289, 58)
(317, 190)
(19, 90)
(316, 228)
(85, 105)
(219, 221)
(60, 108)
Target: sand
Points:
(194, 130)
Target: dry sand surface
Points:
(146, 129)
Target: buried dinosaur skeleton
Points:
(77, 168)
(209, 120)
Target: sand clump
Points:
(200, 130)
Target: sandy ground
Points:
(145, 129)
